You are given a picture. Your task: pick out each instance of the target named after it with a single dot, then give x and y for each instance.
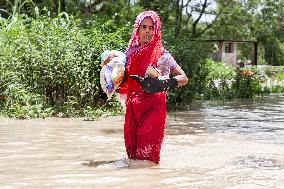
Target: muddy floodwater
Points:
(236, 145)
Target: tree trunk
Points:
(60, 6)
(178, 17)
(194, 25)
(63, 6)
(56, 5)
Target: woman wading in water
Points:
(146, 110)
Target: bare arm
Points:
(180, 76)
(108, 59)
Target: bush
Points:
(280, 76)
(219, 80)
(190, 56)
(272, 80)
(54, 59)
(247, 83)
(20, 103)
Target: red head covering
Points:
(143, 55)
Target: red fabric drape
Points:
(145, 113)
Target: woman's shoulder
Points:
(166, 52)
(166, 56)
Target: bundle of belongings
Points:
(112, 74)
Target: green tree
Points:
(254, 19)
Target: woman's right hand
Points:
(152, 72)
(108, 59)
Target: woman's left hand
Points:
(182, 80)
(180, 76)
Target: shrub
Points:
(219, 80)
(190, 56)
(54, 59)
(247, 83)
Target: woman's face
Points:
(146, 30)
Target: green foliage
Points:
(56, 59)
(272, 80)
(277, 89)
(109, 109)
(280, 76)
(49, 62)
(190, 56)
(219, 80)
(247, 83)
(21, 103)
(254, 19)
(227, 25)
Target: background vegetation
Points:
(49, 50)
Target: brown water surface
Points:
(236, 145)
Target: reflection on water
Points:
(232, 145)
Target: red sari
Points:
(145, 113)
